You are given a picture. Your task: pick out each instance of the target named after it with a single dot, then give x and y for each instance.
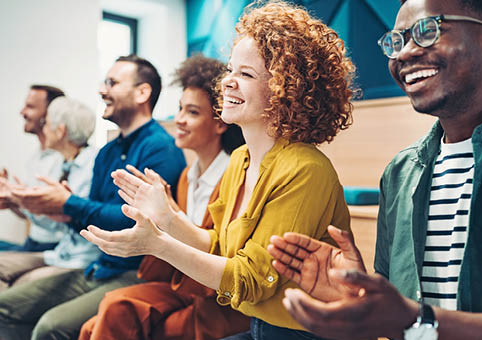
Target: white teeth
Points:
(411, 77)
(233, 100)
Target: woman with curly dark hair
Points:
(288, 87)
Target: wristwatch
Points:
(425, 327)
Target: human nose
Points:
(102, 88)
(409, 50)
(229, 82)
(180, 117)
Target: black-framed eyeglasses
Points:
(424, 32)
(110, 83)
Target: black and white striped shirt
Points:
(448, 220)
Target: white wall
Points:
(55, 42)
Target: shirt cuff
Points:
(227, 286)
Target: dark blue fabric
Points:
(150, 146)
(29, 245)
(261, 330)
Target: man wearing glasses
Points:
(429, 240)
(56, 307)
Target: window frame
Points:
(130, 22)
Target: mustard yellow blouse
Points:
(297, 190)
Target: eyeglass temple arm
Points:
(461, 17)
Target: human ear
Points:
(61, 131)
(143, 93)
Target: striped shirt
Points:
(448, 218)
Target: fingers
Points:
(138, 173)
(287, 258)
(155, 177)
(128, 199)
(369, 283)
(135, 214)
(47, 180)
(287, 271)
(126, 182)
(126, 177)
(345, 241)
(285, 245)
(99, 237)
(303, 241)
(303, 308)
(17, 180)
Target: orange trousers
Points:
(155, 311)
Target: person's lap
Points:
(65, 301)
(261, 330)
(13, 264)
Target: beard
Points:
(121, 115)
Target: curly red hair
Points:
(311, 76)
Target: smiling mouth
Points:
(232, 100)
(414, 77)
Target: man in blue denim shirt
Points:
(429, 243)
(56, 307)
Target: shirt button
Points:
(123, 157)
(419, 295)
(227, 294)
(270, 278)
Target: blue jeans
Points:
(261, 330)
(29, 245)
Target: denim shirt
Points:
(149, 146)
(403, 218)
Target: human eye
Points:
(246, 74)
(193, 112)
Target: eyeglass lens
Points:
(424, 32)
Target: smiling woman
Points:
(288, 87)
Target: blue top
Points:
(149, 146)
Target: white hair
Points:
(78, 119)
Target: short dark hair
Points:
(52, 91)
(146, 73)
(475, 5)
(203, 73)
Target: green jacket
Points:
(403, 216)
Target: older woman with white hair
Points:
(68, 126)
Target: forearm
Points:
(85, 212)
(458, 325)
(188, 233)
(205, 268)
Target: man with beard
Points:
(56, 307)
(429, 238)
(44, 233)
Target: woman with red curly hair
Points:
(288, 87)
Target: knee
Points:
(116, 307)
(48, 328)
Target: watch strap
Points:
(427, 314)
